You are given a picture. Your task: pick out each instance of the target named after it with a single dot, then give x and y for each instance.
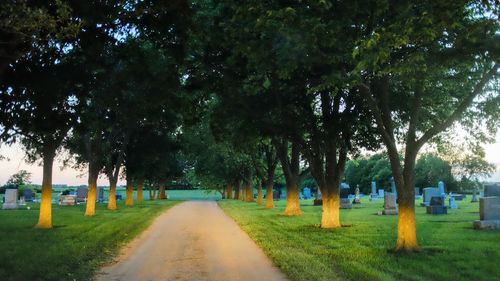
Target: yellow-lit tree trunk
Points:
(292, 201)
(91, 195)
(139, 191)
(330, 217)
(237, 192)
(405, 182)
(112, 196)
(243, 192)
(45, 215)
(162, 193)
(259, 194)
(269, 194)
(407, 228)
(129, 193)
(249, 191)
(229, 191)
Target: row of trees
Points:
(245, 87)
(324, 80)
(101, 80)
(460, 172)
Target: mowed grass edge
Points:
(77, 245)
(451, 248)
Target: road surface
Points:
(194, 240)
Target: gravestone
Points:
(318, 201)
(441, 188)
(374, 196)
(307, 193)
(100, 194)
(452, 203)
(428, 193)
(28, 195)
(345, 203)
(67, 200)
(10, 199)
(81, 194)
(393, 186)
(436, 206)
(381, 193)
(356, 200)
(458, 197)
(489, 213)
(491, 190)
(474, 196)
(390, 207)
(417, 193)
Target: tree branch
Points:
(462, 107)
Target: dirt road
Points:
(196, 241)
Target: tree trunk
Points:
(407, 227)
(161, 193)
(151, 193)
(129, 193)
(45, 216)
(229, 191)
(269, 194)
(237, 192)
(330, 217)
(292, 200)
(91, 197)
(139, 191)
(223, 193)
(249, 191)
(112, 195)
(259, 194)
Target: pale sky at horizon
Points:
(71, 176)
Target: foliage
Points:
(430, 169)
(22, 177)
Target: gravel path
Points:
(194, 240)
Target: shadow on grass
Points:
(443, 221)
(424, 251)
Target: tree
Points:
(25, 24)
(421, 71)
(39, 115)
(22, 177)
(430, 169)
(289, 55)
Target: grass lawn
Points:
(77, 245)
(452, 250)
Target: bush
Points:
(7, 186)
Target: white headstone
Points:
(10, 199)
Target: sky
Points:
(71, 176)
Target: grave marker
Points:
(489, 213)
(10, 199)
(390, 207)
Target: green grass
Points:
(193, 194)
(75, 247)
(452, 250)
